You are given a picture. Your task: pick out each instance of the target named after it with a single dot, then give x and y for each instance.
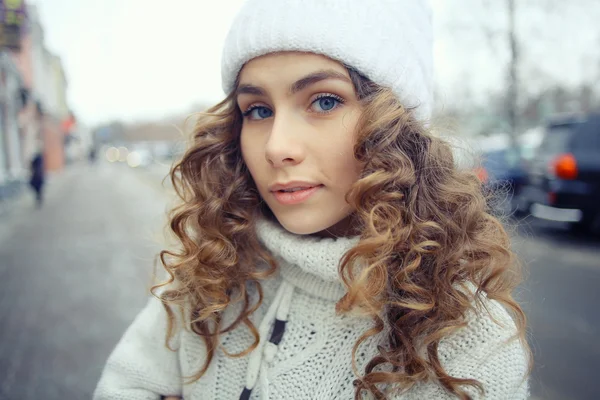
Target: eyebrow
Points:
(299, 85)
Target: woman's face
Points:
(300, 114)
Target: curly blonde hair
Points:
(425, 230)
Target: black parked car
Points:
(502, 176)
(564, 175)
(503, 168)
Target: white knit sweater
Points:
(313, 359)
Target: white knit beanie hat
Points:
(388, 41)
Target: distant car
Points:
(564, 176)
(503, 169)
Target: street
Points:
(75, 273)
(561, 302)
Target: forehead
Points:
(285, 67)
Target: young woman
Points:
(330, 249)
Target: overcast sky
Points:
(145, 59)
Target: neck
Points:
(346, 228)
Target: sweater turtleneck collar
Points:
(308, 262)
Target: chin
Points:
(303, 224)
(301, 227)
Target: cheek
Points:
(250, 148)
(254, 157)
(345, 168)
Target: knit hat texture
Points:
(388, 41)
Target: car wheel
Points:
(588, 226)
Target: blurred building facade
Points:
(11, 103)
(12, 96)
(46, 83)
(34, 112)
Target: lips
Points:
(294, 192)
(293, 186)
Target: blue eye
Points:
(326, 103)
(258, 113)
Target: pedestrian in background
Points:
(329, 247)
(37, 177)
(92, 155)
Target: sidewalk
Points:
(20, 195)
(10, 195)
(157, 174)
(74, 275)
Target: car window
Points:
(557, 138)
(587, 136)
(501, 159)
(495, 158)
(528, 152)
(512, 158)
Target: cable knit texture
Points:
(313, 360)
(318, 256)
(389, 41)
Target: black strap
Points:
(276, 336)
(246, 394)
(278, 331)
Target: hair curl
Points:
(425, 229)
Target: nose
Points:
(284, 146)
